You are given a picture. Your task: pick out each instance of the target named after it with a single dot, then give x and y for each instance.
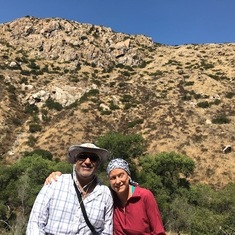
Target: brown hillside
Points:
(78, 81)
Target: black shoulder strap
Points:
(83, 209)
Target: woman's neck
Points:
(123, 197)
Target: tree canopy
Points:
(188, 208)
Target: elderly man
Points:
(77, 203)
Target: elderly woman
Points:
(135, 208)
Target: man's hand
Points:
(52, 177)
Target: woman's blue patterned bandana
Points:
(118, 163)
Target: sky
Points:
(170, 22)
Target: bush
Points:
(230, 95)
(51, 104)
(34, 127)
(173, 169)
(121, 145)
(40, 152)
(31, 109)
(16, 121)
(221, 120)
(20, 183)
(204, 104)
(85, 97)
(134, 123)
(31, 141)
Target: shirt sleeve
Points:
(39, 213)
(154, 215)
(108, 221)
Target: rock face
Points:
(78, 81)
(68, 41)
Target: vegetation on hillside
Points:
(185, 208)
(59, 77)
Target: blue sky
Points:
(171, 22)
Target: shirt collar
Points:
(97, 190)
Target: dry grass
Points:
(164, 93)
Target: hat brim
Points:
(74, 150)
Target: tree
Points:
(121, 145)
(126, 146)
(19, 185)
(171, 170)
(40, 152)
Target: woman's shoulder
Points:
(143, 191)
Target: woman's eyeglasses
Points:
(83, 156)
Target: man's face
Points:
(86, 165)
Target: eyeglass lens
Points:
(84, 156)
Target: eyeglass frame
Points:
(84, 155)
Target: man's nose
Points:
(87, 160)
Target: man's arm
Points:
(39, 213)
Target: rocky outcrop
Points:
(68, 41)
(78, 81)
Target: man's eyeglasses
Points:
(83, 156)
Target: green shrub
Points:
(40, 152)
(230, 95)
(34, 127)
(203, 104)
(16, 121)
(25, 72)
(126, 146)
(113, 106)
(20, 183)
(126, 98)
(221, 120)
(31, 141)
(197, 96)
(206, 65)
(31, 109)
(83, 38)
(126, 73)
(121, 66)
(85, 97)
(51, 104)
(143, 64)
(189, 83)
(217, 101)
(73, 105)
(11, 88)
(134, 123)
(24, 80)
(157, 73)
(33, 65)
(105, 112)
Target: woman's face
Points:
(119, 180)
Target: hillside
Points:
(62, 82)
